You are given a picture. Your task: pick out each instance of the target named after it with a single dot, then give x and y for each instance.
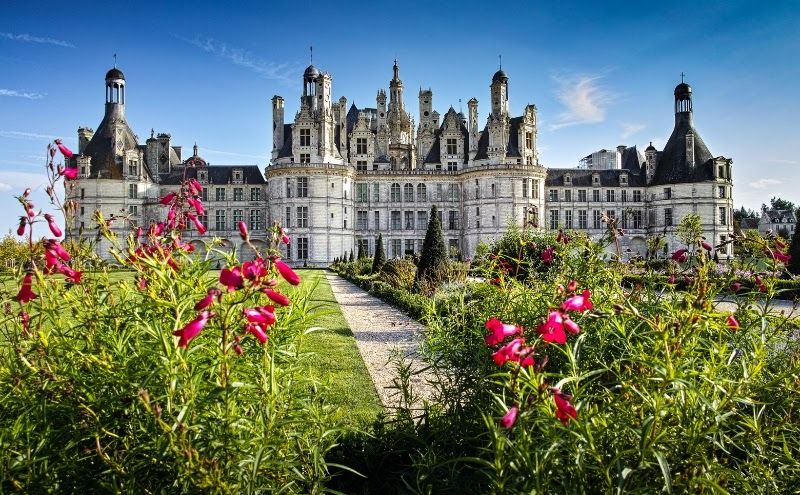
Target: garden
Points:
(556, 368)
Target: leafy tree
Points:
(782, 204)
(794, 247)
(13, 252)
(689, 230)
(380, 257)
(433, 259)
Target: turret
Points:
(683, 103)
(84, 136)
(650, 161)
(396, 90)
(380, 101)
(425, 105)
(499, 90)
(277, 125)
(115, 93)
(472, 104)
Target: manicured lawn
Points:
(336, 359)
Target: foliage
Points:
(689, 230)
(351, 259)
(433, 259)
(380, 256)
(777, 203)
(13, 252)
(399, 273)
(361, 252)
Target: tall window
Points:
(302, 248)
(667, 216)
(288, 217)
(452, 166)
(302, 217)
(582, 223)
(408, 193)
(452, 192)
(362, 193)
(377, 220)
(611, 214)
(255, 220)
(567, 195)
(133, 191)
(723, 215)
(396, 222)
(238, 194)
(452, 220)
(624, 196)
(302, 187)
(422, 220)
(422, 193)
(494, 191)
(204, 195)
(305, 137)
(410, 247)
(452, 146)
(361, 165)
(529, 140)
(610, 195)
(133, 168)
(409, 218)
(361, 220)
(597, 220)
(220, 220)
(305, 158)
(238, 216)
(553, 195)
(721, 190)
(568, 219)
(535, 184)
(220, 194)
(397, 248)
(582, 195)
(637, 196)
(133, 210)
(525, 188)
(637, 219)
(395, 192)
(361, 146)
(477, 218)
(376, 193)
(667, 193)
(553, 219)
(596, 195)
(255, 194)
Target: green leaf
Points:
(662, 463)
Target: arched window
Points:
(422, 193)
(395, 192)
(408, 193)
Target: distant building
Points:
(603, 159)
(777, 221)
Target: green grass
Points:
(336, 360)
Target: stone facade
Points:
(339, 176)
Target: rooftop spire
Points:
(115, 60)
(311, 51)
(501, 61)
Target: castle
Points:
(340, 175)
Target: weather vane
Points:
(115, 60)
(682, 74)
(311, 49)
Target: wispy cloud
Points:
(26, 135)
(584, 100)
(785, 162)
(243, 58)
(232, 153)
(629, 129)
(764, 183)
(5, 187)
(27, 38)
(21, 94)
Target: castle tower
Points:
(115, 93)
(472, 104)
(309, 99)
(650, 161)
(499, 93)
(395, 91)
(277, 125)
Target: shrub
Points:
(380, 256)
(399, 273)
(433, 259)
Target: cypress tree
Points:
(351, 256)
(380, 257)
(434, 254)
(794, 247)
(361, 253)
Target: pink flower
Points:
(732, 323)
(552, 330)
(238, 349)
(508, 352)
(264, 315)
(193, 328)
(547, 255)
(285, 237)
(254, 270)
(73, 276)
(26, 321)
(671, 279)
(70, 173)
(509, 418)
(243, 230)
(201, 229)
(22, 223)
(286, 272)
(208, 300)
(705, 245)
(63, 149)
(257, 331)
(195, 184)
(54, 228)
(573, 286)
(197, 205)
(168, 198)
(499, 331)
(579, 303)
(231, 278)
(25, 293)
(736, 287)
(570, 326)
(681, 255)
(277, 297)
(564, 408)
(58, 249)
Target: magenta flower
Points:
(286, 272)
(197, 205)
(193, 328)
(552, 330)
(570, 326)
(736, 286)
(231, 278)
(26, 293)
(732, 323)
(208, 300)
(257, 331)
(508, 352)
(285, 237)
(26, 321)
(499, 331)
(705, 245)
(579, 303)
(547, 255)
(195, 185)
(73, 276)
(264, 315)
(671, 279)
(70, 173)
(201, 229)
(243, 230)
(168, 198)
(681, 255)
(277, 297)
(572, 286)
(509, 418)
(54, 228)
(63, 149)
(564, 408)
(22, 223)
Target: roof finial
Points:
(501, 61)
(460, 108)
(682, 76)
(311, 50)
(195, 148)
(115, 60)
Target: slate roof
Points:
(671, 164)
(218, 175)
(104, 157)
(435, 153)
(287, 141)
(582, 177)
(748, 223)
(632, 160)
(779, 216)
(483, 145)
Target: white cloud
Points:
(584, 100)
(28, 135)
(25, 37)
(21, 94)
(243, 58)
(19, 181)
(629, 129)
(5, 187)
(785, 162)
(231, 153)
(764, 183)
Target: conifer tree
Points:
(361, 253)
(794, 247)
(433, 259)
(380, 257)
(351, 256)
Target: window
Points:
(582, 195)
(624, 196)
(83, 193)
(362, 193)
(362, 246)
(133, 191)
(302, 217)
(494, 191)
(525, 192)
(238, 194)
(289, 190)
(422, 193)
(361, 146)
(422, 220)
(409, 218)
(133, 210)
(567, 195)
(377, 220)
(361, 220)
(623, 180)
(651, 218)
(452, 192)
(255, 194)
(305, 137)
(452, 166)
(636, 217)
(204, 195)
(408, 193)
(396, 222)
(611, 214)
(133, 168)
(255, 220)
(610, 195)
(410, 247)
(452, 146)
(237, 176)
(302, 248)
(668, 216)
(302, 187)
(305, 158)
(83, 211)
(396, 248)
(529, 140)
(553, 195)
(452, 220)
(595, 180)
(477, 189)
(582, 224)
(220, 193)
(361, 165)
(568, 219)
(535, 189)
(721, 190)
(439, 192)
(667, 193)
(288, 217)
(376, 193)
(597, 220)
(596, 195)
(723, 248)
(220, 220)
(238, 216)
(553, 219)
(452, 247)
(395, 192)
(477, 218)
(720, 171)
(723, 216)
(637, 196)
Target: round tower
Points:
(115, 93)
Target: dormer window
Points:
(595, 180)
(623, 180)
(305, 137)
(567, 180)
(202, 176)
(237, 175)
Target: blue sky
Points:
(600, 73)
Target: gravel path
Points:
(380, 332)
